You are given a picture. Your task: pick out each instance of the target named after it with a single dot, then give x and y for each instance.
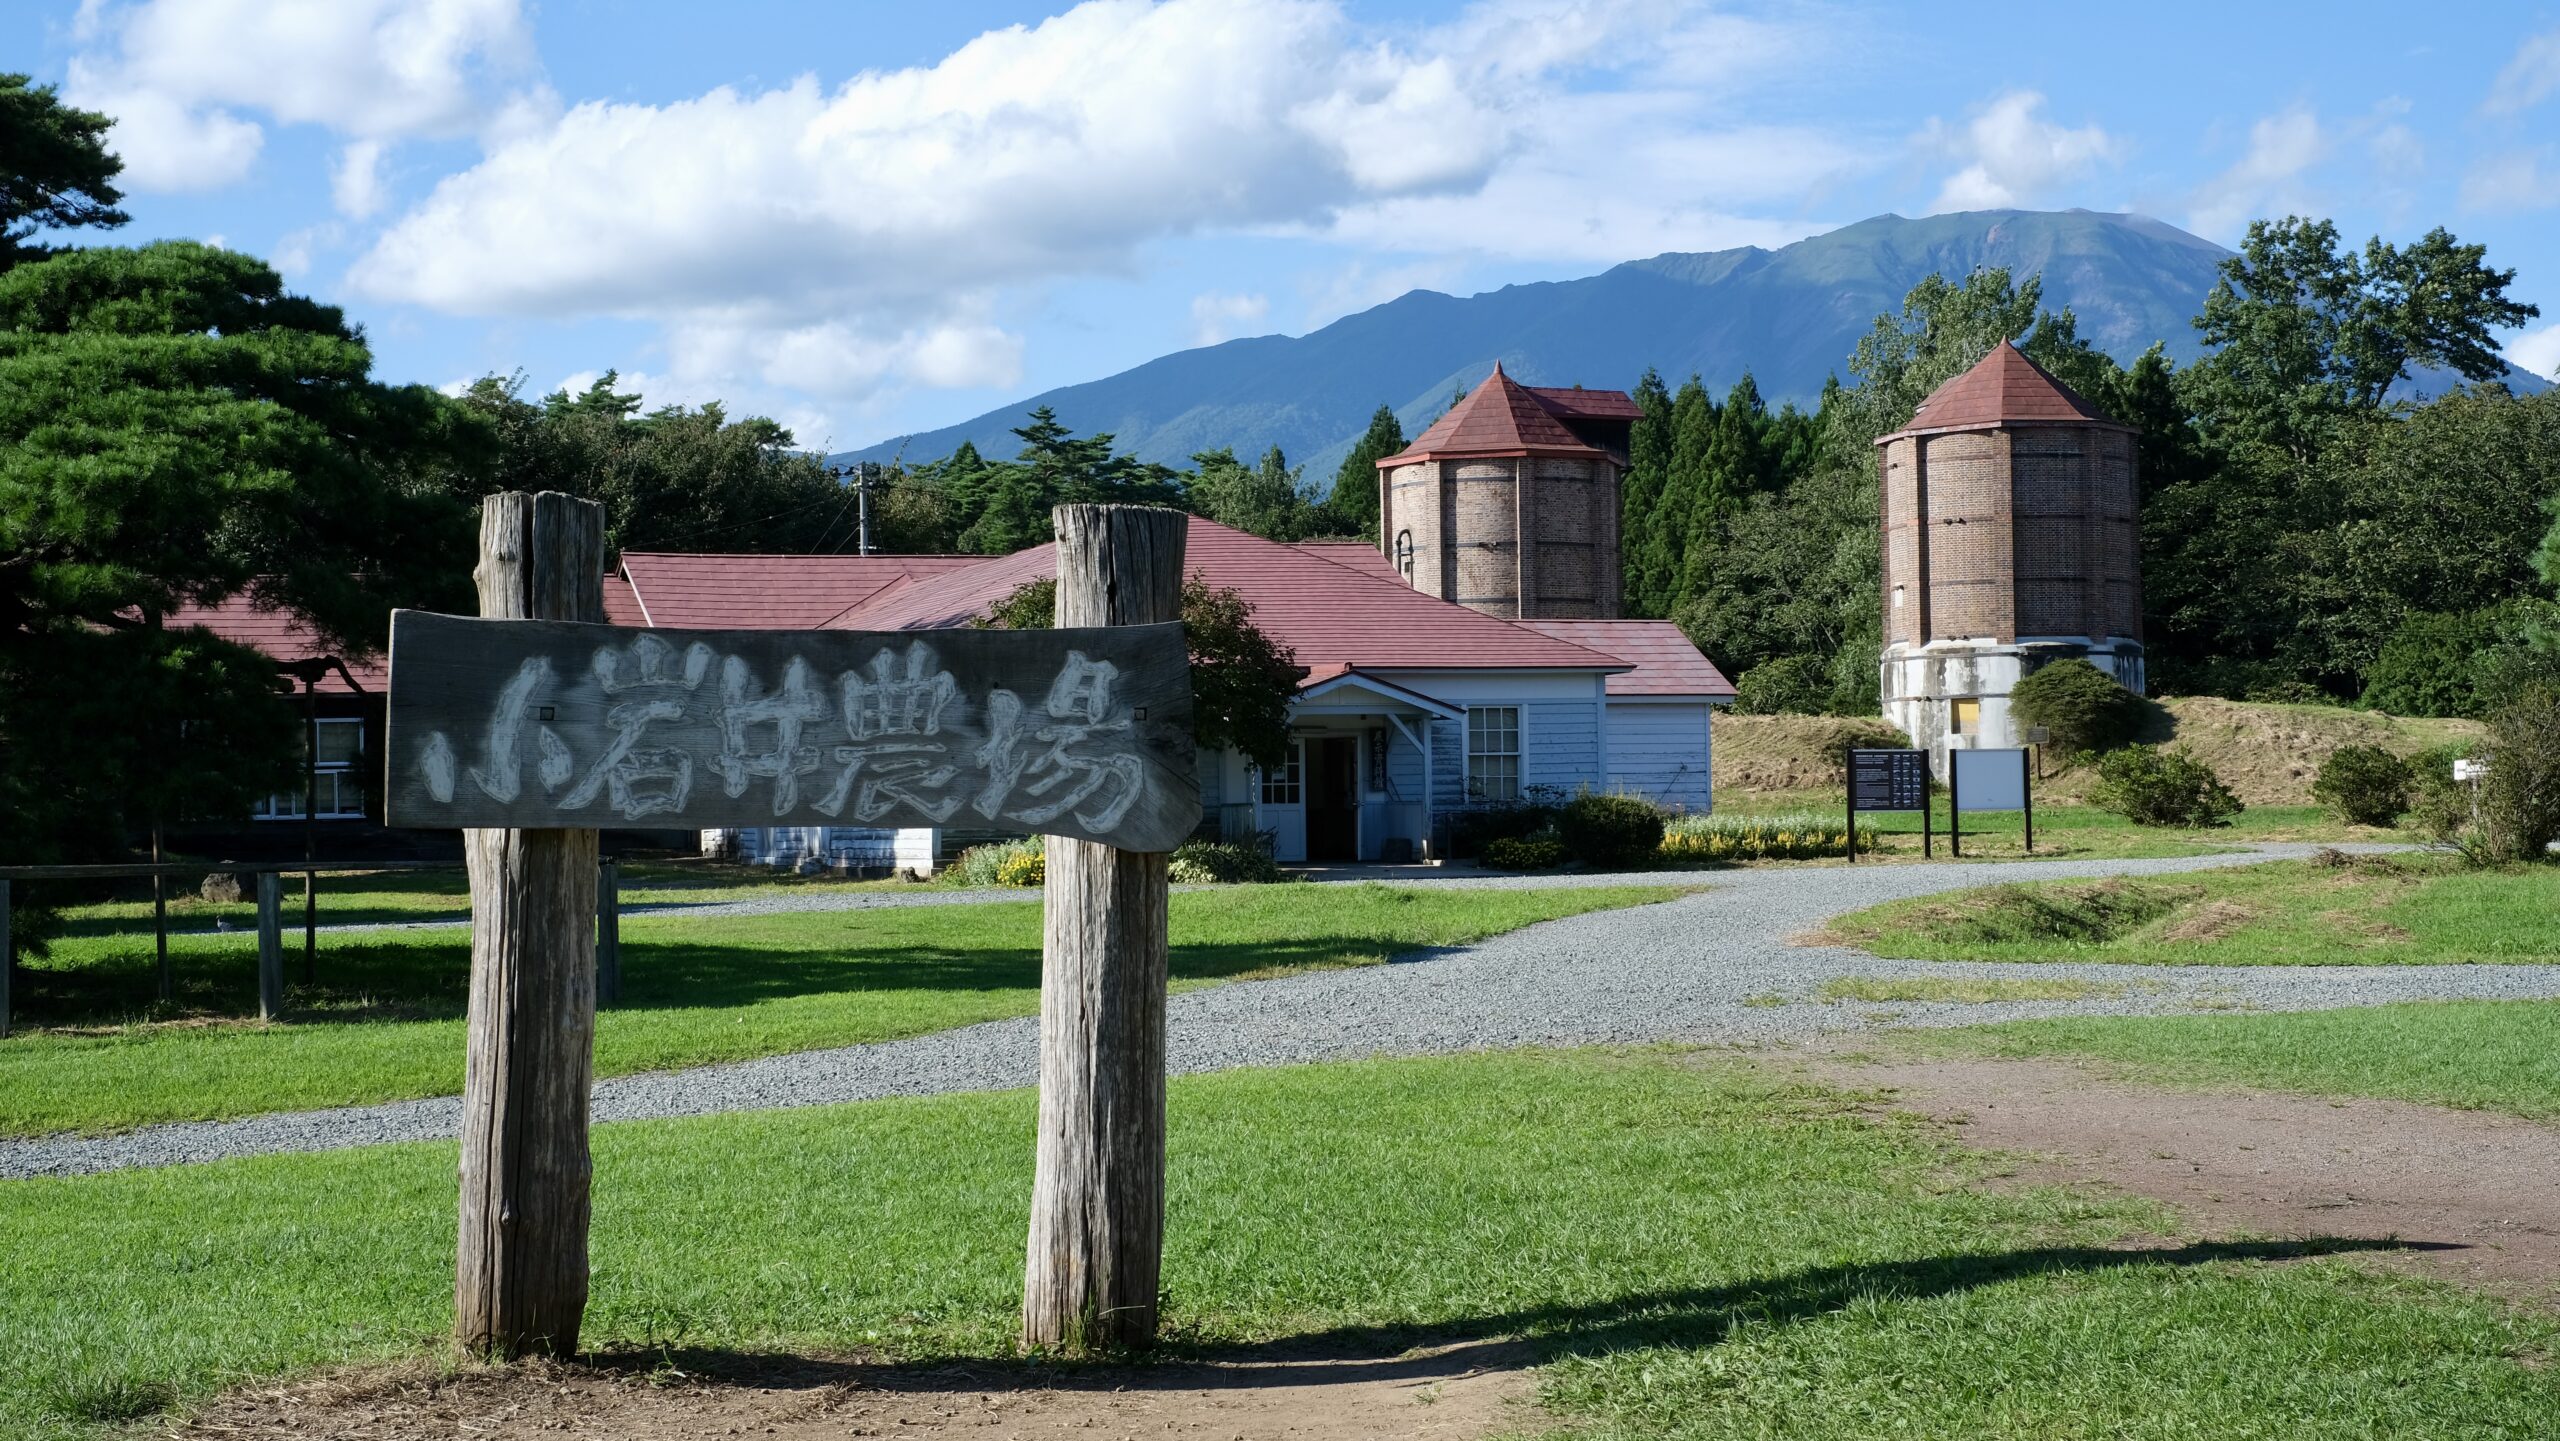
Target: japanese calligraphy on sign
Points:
(543, 724)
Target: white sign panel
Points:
(1993, 780)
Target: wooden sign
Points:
(550, 724)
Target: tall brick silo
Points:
(1509, 503)
(2010, 542)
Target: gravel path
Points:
(1714, 967)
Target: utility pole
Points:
(862, 507)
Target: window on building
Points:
(337, 784)
(1404, 555)
(1284, 784)
(1964, 717)
(1493, 753)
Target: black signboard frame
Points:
(1898, 769)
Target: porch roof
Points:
(1345, 678)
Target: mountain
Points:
(1788, 316)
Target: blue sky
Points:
(868, 218)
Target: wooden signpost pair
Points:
(536, 724)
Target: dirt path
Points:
(2477, 1196)
(1455, 1393)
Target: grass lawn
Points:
(375, 897)
(1699, 1250)
(2478, 1055)
(2063, 832)
(2374, 910)
(385, 1022)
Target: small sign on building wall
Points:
(547, 724)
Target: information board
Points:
(1888, 780)
(1989, 780)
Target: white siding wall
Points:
(1560, 745)
(1662, 751)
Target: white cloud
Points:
(1218, 316)
(2537, 351)
(355, 184)
(2015, 154)
(181, 76)
(2516, 180)
(2529, 78)
(847, 241)
(2267, 179)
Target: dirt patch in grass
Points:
(2079, 914)
(2476, 1198)
(2210, 922)
(1451, 1393)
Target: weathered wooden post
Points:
(270, 946)
(1097, 1201)
(520, 1271)
(608, 933)
(8, 958)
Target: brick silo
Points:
(2010, 541)
(1508, 504)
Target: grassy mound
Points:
(2368, 910)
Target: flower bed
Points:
(1800, 836)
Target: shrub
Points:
(2520, 799)
(1474, 828)
(1540, 852)
(1787, 685)
(2151, 786)
(2365, 785)
(1798, 836)
(2080, 706)
(1219, 863)
(1610, 831)
(2440, 804)
(1023, 862)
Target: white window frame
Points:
(1286, 783)
(1483, 744)
(340, 796)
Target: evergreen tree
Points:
(1352, 509)
(55, 169)
(1648, 461)
(1686, 490)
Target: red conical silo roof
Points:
(1499, 417)
(2004, 388)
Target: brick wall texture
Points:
(1521, 537)
(2018, 530)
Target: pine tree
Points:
(1685, 488)
(1352, 509)
(1640, 498)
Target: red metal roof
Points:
(1336, 616)
(1360, 555)
(1499, 417)
(684, 591)
(621, 605)
(1581, 404)
(280, 635)
(1666, 663)
(2005, 386)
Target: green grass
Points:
(385, 1021)
(1700, 1250)
(1970, 991)
(2477, 1055)
(2063, 832)
(376, 897)
(2401, 910)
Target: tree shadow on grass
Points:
(1687, 1317)
(424, 977)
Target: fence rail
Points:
(266, 885)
